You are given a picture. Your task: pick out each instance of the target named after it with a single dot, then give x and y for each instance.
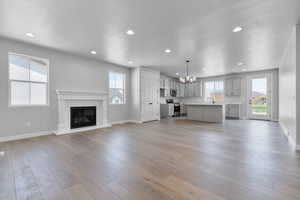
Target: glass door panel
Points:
(259, 97)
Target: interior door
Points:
(259, 97)
(150, 96)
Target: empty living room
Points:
(150, 100)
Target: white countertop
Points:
(204, 104)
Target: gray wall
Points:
(67, 72)
(243, 98)
(287, 88)
(297, 100)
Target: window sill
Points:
(28, 106)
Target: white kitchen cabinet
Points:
(170, 84)
(233, 87)
(228, 87)
(197, 89)
(236, 87)
(192, 89)
(167, 92)
(166, 110)
(177, 88)
(181, 89)
(174, 84)
(187, 90)
(162, 82)
(206, 112)
(167, 83)
(233, 111)
(183, 109)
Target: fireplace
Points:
(78, 101)
(83, 117)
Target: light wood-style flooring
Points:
(168, 160)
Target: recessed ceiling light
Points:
(240, 63)
(130, 32)
(168, 50)
(30, 35)
(2, 153)
(177, 73)
(130, 62)
(237, 29)
(93, 52)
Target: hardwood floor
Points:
(170, 159)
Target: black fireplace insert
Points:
(83, 117)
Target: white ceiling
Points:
(197, 29)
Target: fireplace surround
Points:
(80, 99)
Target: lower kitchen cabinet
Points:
(233, 111)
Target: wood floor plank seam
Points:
(167, 159)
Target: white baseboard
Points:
(126, 121)
(43, 133)
(135, 121)
(289, 137)
(285, 131)
(24, 136)
(63, 132)
(120, 122)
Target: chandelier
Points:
(188, 78)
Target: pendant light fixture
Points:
(188, 78)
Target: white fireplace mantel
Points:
(68, 99)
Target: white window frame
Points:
(124, 89)
(10, 80)
(213, 80)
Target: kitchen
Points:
(214, 99)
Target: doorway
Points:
(259, 97)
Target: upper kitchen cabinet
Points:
(198, 89)
(193, 89)
(162, 83)
(171, 83)
(166, 84)
(182, 89)
(188, 90)
(233, 87)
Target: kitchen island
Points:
(206, 112)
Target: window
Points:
(214, 90)
(28, 80)
(116, 88)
